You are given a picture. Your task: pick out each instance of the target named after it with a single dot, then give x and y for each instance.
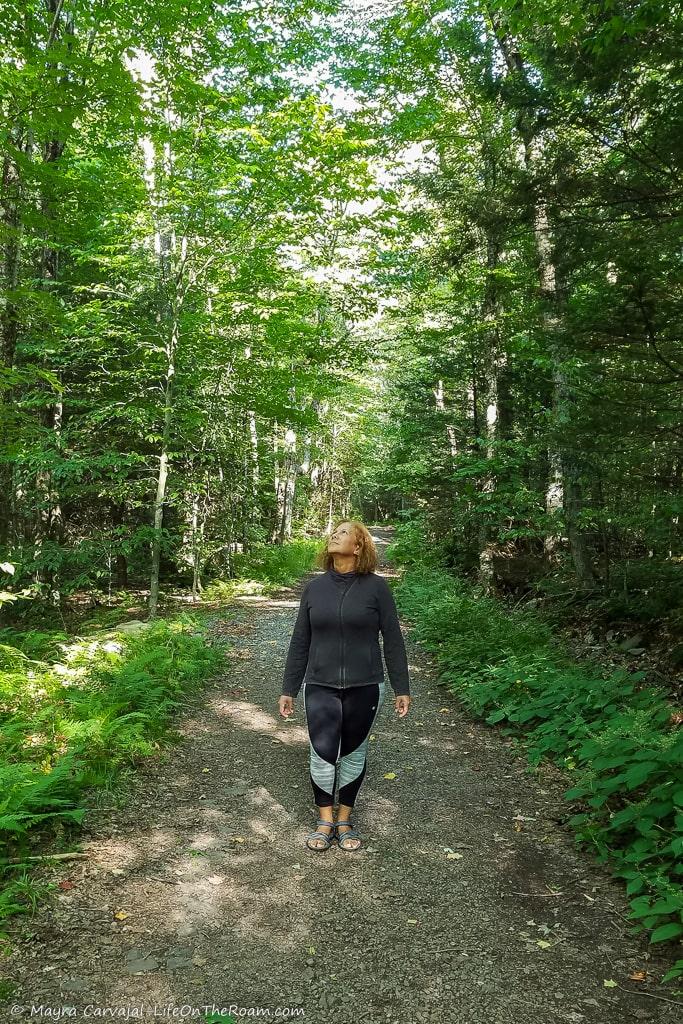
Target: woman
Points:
(335, 647)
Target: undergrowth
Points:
(78, 711)
(75, 716)
(264, 569)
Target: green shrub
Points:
(412, 547)
(264, 569)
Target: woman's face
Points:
(343, 541)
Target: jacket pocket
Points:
(364, 669)
(313, 661)
(376, 658)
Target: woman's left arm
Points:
(394, 648)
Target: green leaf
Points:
(636, 775)
(667, 931)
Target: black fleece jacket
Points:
(335, 639)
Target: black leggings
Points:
(339, 721)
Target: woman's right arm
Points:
(299, 645)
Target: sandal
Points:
(350, 833)
(321, 835)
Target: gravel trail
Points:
(469, 901)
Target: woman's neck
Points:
(344, 563)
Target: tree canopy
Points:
(263, 266)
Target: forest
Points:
(263, 267)
(419, 262)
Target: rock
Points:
(630, 642)
(74, 985)
(132, 626)
(142, 966)
(239, 788)
(175, 962)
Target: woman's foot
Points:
(322, 837)
(353, 842)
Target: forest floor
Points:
(468, 902)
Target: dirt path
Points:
(444, 916)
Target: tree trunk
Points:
(450, 429)
(288, 488)
(553, 297)
(163, 469)
(499, 398)
(565, 464)
(9, 329)
(171, 254)
(197, 524)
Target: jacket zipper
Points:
(342, 666)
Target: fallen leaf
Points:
(608, 983)
(65, 885)
(205, 770)
(390, 775)
(120, 915)
(543, 944)
(638, 976)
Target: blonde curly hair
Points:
(366, 561)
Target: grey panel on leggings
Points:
(322, 772)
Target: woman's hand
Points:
(286, 705)
(401, 703)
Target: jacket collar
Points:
(342, 577)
